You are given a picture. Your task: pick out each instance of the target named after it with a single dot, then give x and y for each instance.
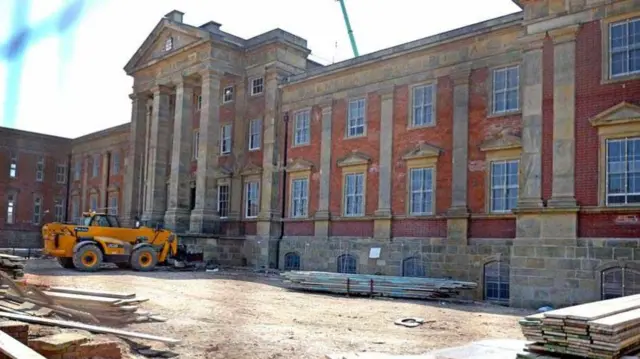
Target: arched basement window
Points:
(496, 281)
(292, 261)
(347, 264)
(413, 267)
(619, 282)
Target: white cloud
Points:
(92, 94)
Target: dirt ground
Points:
(245, 315)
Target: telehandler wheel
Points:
(65, 262)
(88, 258)
(144, 259)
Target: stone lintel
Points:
(353, 159)
(565, 34)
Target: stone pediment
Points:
(501, 142)
(621, 113)
(422, 150)
(113, 188)
(353, 159)
(224, 172)
(75, 192)
(298, 165)
(251, 169)
(94, 190)
(153, 48)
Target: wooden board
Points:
(65, 297)
(596, 310)
(16, 350)
(618, 320)
(97, 293)
(87, 327)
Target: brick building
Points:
(505, 152)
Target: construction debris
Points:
(607, 329)
(376, 285)
(12, 265)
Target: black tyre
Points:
(144, 259)
(88, 258)
(65, 262)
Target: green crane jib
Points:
(354, 47)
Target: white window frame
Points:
(504, 187)
(355, 119)
(168, 44)
(13, 166)
(424, 105)
(624, 165)
(77, 171)
(11, 208)
(61, 173)
(199, 102)
(115, 163)
(299, 197)
(95, 166)
(257, 86)
(225, 138)
(354, 211)
(58, 210)
(255, 134)
(37, 209)
(93, 202)
(223, 200)
(229, 90)
(113, 204)
(302, 128)
(196, 144)
(495, 91)
(423, 191)
(626, 49)
(40, 169)
(251, 194)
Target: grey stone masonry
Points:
(204, 217)
(564, 98)
(386, 149)
(530, 181)
(155, 204)
(178, 211)
(134, 163)
(460, 142)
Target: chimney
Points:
(211, 26)
(175, 15)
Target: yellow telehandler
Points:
(101, 239)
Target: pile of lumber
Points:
(376, 285)
(12, 265)
(607, 329)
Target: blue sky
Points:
(75, 85)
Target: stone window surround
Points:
(222, 136)
(195, 144)
(252, 86)
(58, 202)
(489, 93)
(414, 260)
(346, 130)
(61, 173)
(116, 162)
(220, 183)
(75, 206)
(13, 166)
(619, 121)
(423, 156)
(434, 104)
(40, 167)
(287, 263)
(343, 260)
(354, 163)
(37, 203)
(245, 186)
(486, 262)
(621, 263)
(259, 134)
(300, 175)
(605, 26)
(12, 194)
(95, 165)
(294, 142)
(113, 192)
(298, 168)
(502, 148)
(77, 170)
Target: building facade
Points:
(506, 152)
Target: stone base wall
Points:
(20, 239)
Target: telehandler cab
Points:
(100, 239)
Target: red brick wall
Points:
(593, 97)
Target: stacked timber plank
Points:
(605, 329)
(12, 265)
(376, 285)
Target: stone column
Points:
(322, 215)
(104, 191)
(158, 158)
(270, 182)
(134, 162)
(204, 217)
(458, 214)
(530, 180)
(564, 98)
(177, 216)
(239, 150)
(85, 183)
(382, 222)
